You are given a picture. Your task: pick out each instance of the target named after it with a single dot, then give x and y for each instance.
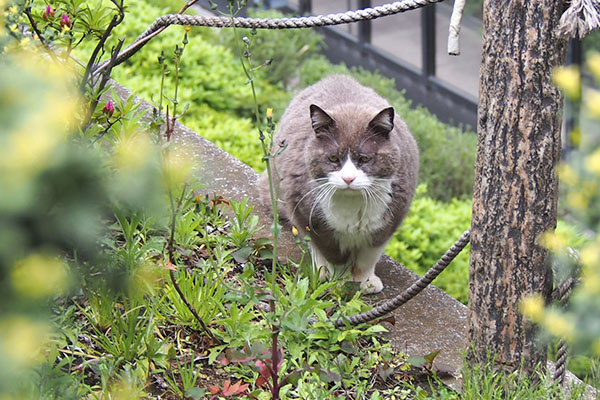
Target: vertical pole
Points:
(364, 27)
(305, 7)
(428, 40)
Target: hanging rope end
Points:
(454, 30)
(581, 18)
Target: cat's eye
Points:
(364, 159)
(333, 159)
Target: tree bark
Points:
(515, 193)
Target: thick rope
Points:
(290, 23)
(413, 290)
(562, 294)
(267, 23)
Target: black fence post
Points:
(305, 7)
(428, 40)
(364, 27)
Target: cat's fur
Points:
(348, 173)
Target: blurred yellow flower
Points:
(269, 113)
(177, 167)
(133, 152)
(568, 79)
(592, 162)
(577, 200)
(22, 340)
(590, 281)
(592, 103)
(533, 307)
(553, 241)
(590, 255)
(146, 278)
(593, 63)
(48, 115)
(567, 175)
(294, 231)
(39, 276)
(558, 325)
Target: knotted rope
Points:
(413, 290)
(561, 294)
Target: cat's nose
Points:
(348, 179)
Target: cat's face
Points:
(351, 150)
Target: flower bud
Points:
(48, 12)
(65, 22)
(109, 109)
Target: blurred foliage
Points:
(55, 200)
(579, 175)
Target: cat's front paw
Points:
(371, 285)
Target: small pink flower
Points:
(65, 21)
(109, 108)
(49, 12)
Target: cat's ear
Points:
(321, 121)
(383, 123)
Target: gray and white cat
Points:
(348, 173)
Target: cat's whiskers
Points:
(319, 182)
(326, 192)
(376, 195)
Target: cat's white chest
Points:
(355, 218)
(356, 206)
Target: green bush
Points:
(210, 73)
(237, 136)
(286, 49)
(430, 228)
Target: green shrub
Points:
(286, 49)
(430, 228)
(237, 136)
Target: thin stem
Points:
(267, 156)
(174, 211)
(274, 356)
(101, 85)
(137, 45)
(39, 34)
(116, 20)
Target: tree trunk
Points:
(515, 193)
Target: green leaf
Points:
(195, 393)
(241, 255)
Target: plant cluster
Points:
(446, 152)
(120, 280)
